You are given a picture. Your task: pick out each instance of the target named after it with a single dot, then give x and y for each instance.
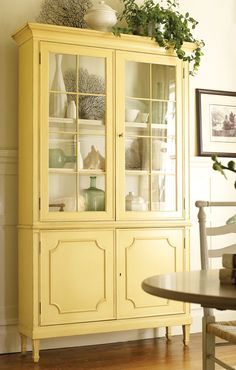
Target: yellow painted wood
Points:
(104, 326)
(23, 340)
(141, 254)
(35, 347)
(25, 159)
(81, 273)
(86, 37)
(186, 334)
(26, 278)
(76, 276)
(168, 333)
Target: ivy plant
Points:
(167, 26)
(218, 166)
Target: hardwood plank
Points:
(149, 354)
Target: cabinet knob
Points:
(121, 134)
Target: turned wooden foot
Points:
(35, 348)
(186, 334)
(168, 332)
(23, 343)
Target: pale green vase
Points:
(94, 197)
(58, 159)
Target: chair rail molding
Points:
(8, 161)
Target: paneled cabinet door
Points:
(76, 133)
(141, 254)
(76, 276)
(150, 136)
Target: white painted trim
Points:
(201, 163)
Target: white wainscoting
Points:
(205, 184)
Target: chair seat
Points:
(224, 329)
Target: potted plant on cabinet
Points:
(218, 166)
(167, 26)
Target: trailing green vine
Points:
(218, 166)
(167, 26)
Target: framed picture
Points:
(216, 115)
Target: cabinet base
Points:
(50, 333)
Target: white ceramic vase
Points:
(58, 100)
(71, 110)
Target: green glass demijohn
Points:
(58, 159)
(94, 197)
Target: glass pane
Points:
(77, 141)
(62, 79)
(150, 142)
(137, 110)
(163, 113)
(92, 107)
(62, 192)
(91, 75)
(62, 151)
(137, 76)
(92, 151)
(92, 190)
(144, 147)
(137, 192)
(57, 125)
(62, 72)
(163, 82)
(133, 155)
(163, 193)
(163, 155)
(159, 154)
(136, 129)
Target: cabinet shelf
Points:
(87, 122)
(153, 172)
(145, 125)
(70, 126)
(80, 171)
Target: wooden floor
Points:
(149, 354)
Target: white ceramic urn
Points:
(101, 17)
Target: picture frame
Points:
(216, 119)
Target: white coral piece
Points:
(69, 13)
(90, 107)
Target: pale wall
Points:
(217, 26)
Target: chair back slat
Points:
(213, 253)
(221, 230)
(204, 231)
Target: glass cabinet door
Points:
(149, 136)
(76, 133)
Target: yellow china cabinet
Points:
(103, 182)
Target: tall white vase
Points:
(58, 101)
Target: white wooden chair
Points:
(210, 328)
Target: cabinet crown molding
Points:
(56, 33)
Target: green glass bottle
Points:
(58, 159)
(94, 197)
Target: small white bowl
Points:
(131, 115)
